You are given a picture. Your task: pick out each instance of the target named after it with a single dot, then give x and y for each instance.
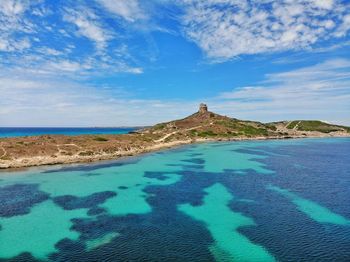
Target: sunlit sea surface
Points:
(229, 201)
(36, 131)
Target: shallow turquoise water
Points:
(227, 201)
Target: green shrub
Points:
(207, 133)
(86, 153)
(227, 123)
(292, 124)
(100, 139)
(271, 127)
(314, 125)
(159, 126)
(250, 130)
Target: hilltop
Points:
(198, 127)
(206, 124)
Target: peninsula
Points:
(198, 127)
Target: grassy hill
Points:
(315, 125)
(206, 124)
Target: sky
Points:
(140, 62)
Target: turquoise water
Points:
(227, 201)
(73, 131)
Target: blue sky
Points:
(125, 63)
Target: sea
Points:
(273, 200)
(35, 131)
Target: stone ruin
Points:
(203, 108)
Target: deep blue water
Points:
(229, 201)
(35, 131)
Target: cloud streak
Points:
(12, 22)
(58, 101)
(320, 91)
(129, 10)
(87, 25)
(72, 39)
(225, 29)
(316, 92)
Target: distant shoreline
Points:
(7, 132)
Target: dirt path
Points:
(296, 126)
(4, 151)
(60, 150)
(288, 123)
(173, 133)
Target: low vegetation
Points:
(252, 131)
(314, 125)
(86, 153)
(100, 139)
(271, 127)
(159, 126)
(208, 133)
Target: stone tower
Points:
(203, 108)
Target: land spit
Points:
(203, 126)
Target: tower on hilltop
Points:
(203, 108)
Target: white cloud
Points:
(12, 20)
(88, 26)
(316, 92)
(129, 10)
(13, 7)
(32, 44)
(326, 4)
(55, 64)
(65, 65)
(49, 51)
(14, 45)
(224, 29)
(41, 11)
(344, 27)
(33, 101)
